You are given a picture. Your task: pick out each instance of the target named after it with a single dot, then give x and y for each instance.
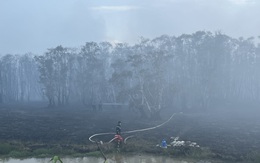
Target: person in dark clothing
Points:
(118, 132)
(118, 128)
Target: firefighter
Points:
(118, 136)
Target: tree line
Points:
(190, 72)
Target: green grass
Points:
(5, 148)
(19, 154)
(94, 154)
(19, 150)
(13, 149)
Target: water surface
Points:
(112, 159)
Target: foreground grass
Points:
(20, 150)
(25, 150)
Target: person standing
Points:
(118, 128)
(118, 136)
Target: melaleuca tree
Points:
(159, 88)
(90, 73)
(245, 85)
(120, 79)
(9, 78)
(54, 67)
(1, 82)
(28, 78)
(104, 93)
(201, 63)
(146, 79)
(155, 85)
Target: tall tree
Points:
(54, 68)
(90, 70)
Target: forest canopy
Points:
(192, 72)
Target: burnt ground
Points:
(227, 134)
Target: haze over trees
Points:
(196, 72)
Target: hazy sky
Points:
(35, 25)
